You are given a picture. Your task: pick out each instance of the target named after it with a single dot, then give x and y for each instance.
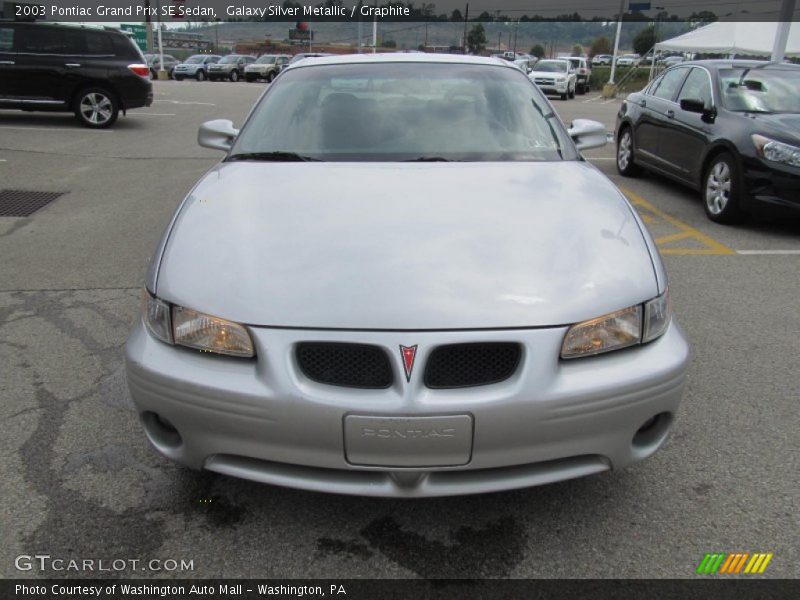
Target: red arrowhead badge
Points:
(408, 353)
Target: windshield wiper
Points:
(277, 156)
(428, 159)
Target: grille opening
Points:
(652, 431)
(161, 431)
(469, 365)
(345, 365)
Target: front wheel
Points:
(564, 95)
(270, 76)
(96, 108)
(721, 194)
(200, 75)
(571, 93)
(234, 76)
(625, 164)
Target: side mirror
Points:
(588, 134)
(217, 135)
(694, 105)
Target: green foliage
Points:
(577, 50)
(633, 83)
(537, 51)
(600, 45)
(644, 40)
(476, 39)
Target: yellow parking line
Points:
(713, 247)
(673, 238)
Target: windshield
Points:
(230, 59)
(552, 66)
(266, 60)
(194, 60)
(404, 111)
(760, 90)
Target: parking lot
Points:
(80, 480)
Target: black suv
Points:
(94, 72)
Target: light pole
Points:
(655, 41)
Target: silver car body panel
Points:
(406, 246)
(264, 420)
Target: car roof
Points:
(721, 63)
(406, 57)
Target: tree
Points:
(457, 16)
(644, 40)
(389, 44)
(476, 39)
(577, 50)
(537, 51)
(600, 45)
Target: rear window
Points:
(126, 48)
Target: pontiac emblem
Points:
(408, 353)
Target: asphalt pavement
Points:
(80, 481)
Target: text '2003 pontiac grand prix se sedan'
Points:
(404, 280)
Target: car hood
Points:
(406, 245)
(553, 74)
(782, 126)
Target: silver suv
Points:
(266, 67)
(230, 67)
(195, 66)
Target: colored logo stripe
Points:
(733, 563)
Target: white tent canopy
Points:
(733, 38)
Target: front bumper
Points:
(771, 183)
(263, 420)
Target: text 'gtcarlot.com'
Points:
(45, 562)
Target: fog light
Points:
(162, 433)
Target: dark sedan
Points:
(730, 129)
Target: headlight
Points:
(187, 327)
(776, 151)
(627, 327)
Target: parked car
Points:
(555, 76)
(301, 55)
(729, 129)
(526, 63)
(629, 60)
(230, 67)
(266, 67)
(602, 59)
(671, 61)
(195, 66)
(94, 72)
(154, 62)
(327, 337)
(582, 73)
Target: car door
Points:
(656, 104)
(48, 63)
(9, 78)
(688, 134)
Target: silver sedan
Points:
(404, 280)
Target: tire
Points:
(270, 76)
(200, 75)
(572, 93)
(96, 107)
(178, 78)
(234, 76)
(721, 190)
(582, 89)
(564, 95)
(625, 159)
